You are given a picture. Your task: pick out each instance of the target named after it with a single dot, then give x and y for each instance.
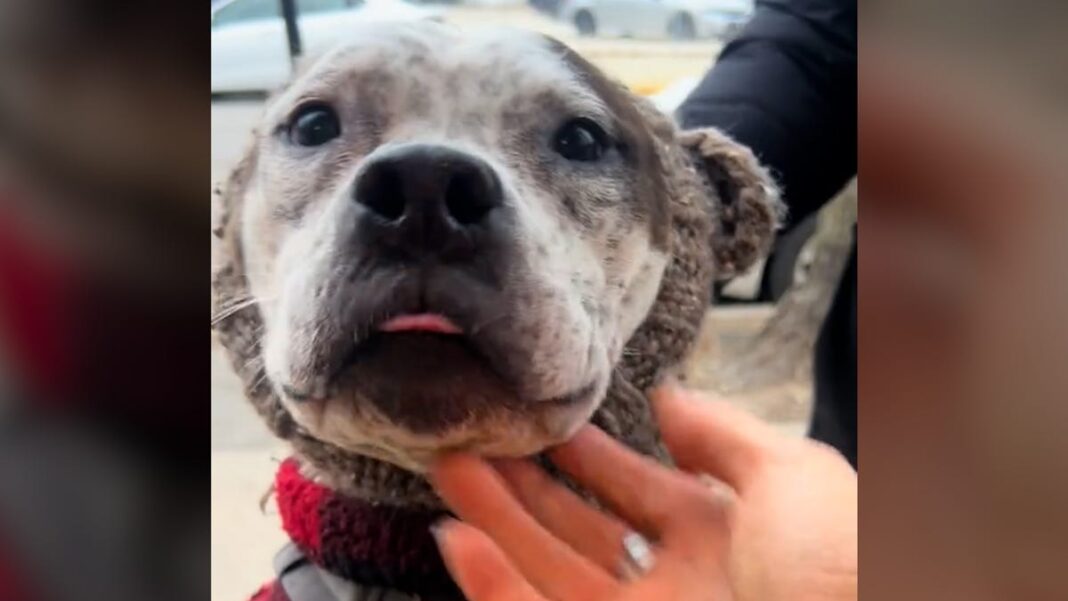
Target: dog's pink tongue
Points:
(421, 322)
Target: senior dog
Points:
(442, 240)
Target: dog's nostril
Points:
(418, 200)
(469, 196)
(381, 190)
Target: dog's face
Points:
(451, 239)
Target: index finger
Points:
(712, 438)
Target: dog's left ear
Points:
(745, 199)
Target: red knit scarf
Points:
(373, 545)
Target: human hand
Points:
(780, 523)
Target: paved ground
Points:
(244, 455)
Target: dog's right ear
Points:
(743, 195)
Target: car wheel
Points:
(681, 27)
(585, 24)
(731, 32)
(785, 264)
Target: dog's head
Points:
(447, 241)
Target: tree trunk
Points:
(783, 349)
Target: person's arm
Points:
(787, 88)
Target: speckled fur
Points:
(708, 236)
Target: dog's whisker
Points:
(254, 360)
(237, 300)
(260, 379)
(234, 307)
(240, 298)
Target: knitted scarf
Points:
(373, 544)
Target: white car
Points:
(675, 19)
(249, 48)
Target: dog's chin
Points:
(405, 398)
(426, 382)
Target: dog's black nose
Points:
(424, 198)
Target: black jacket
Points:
(787, 88)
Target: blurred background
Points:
(103, 279)
(757, 354)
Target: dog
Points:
(440, 240)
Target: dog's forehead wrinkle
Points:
(378, 51)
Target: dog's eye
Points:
(581, 140)
(314, 126)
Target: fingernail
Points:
(439, 528)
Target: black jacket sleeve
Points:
(786, 87)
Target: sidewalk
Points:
(244, 456)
